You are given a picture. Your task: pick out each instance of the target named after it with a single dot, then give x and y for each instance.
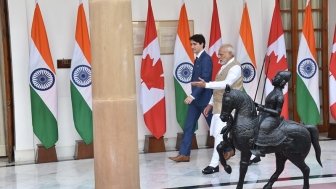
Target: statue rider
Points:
(269, 116)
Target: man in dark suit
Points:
(199, 97)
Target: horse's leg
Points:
(299, 162)
(220, 150)
(244, 163)
(280, 165)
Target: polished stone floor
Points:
(157, 171)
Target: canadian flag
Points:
(276, 60)
(152, 80)
(215, 41)
(332, 79)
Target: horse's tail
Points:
(314, 134)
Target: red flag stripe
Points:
(332, 79)
(215, 40)
(332, 66)
(276, 29)
(215, 33)
(151, 33)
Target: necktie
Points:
(196, 59)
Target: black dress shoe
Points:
(258, 152)
(210, 170)
(255, 160)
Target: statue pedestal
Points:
(153, 144)
(179, 140)
(44, 155)
(210, 141)
(83, 151)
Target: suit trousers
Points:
(193, 115)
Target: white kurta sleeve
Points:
(233, 75)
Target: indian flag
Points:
(42, 77)
(80, 79)
(307, 83)
(183, 66)
(245, 54)
(332, 79)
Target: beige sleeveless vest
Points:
(218, 93)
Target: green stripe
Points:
(82, 115)
(181, 107)
(306, 106)
(44, 122)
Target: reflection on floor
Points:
(157, 171)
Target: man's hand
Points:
(201, 83)
(207, 109)
(188, 100)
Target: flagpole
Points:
(262, 94)
(262, 68)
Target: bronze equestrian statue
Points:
(266, 133)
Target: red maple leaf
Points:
(151, 74)
(273, 67)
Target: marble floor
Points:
(157, 171)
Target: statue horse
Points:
(244, 127)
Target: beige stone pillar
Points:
(116, 162)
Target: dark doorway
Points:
(6, 82)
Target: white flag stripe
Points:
(215, 47)
(304, 52)
(182, 55)
(332, 84)
(243, 57)
(78, 58)
(278, 47)
(242, 53)
(268, 87)
(36, 60)
(153, 49)
(334, 48)
(151, 97)
(48, 96)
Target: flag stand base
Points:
(210, 141)
(332, 131)
(44, 155)
(153, 144)
(83, 151)
(179, 140)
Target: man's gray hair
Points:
(229, 48)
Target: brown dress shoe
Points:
(229, 154)
(180, 158)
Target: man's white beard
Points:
(223, 62)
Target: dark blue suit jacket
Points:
(203, 69)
